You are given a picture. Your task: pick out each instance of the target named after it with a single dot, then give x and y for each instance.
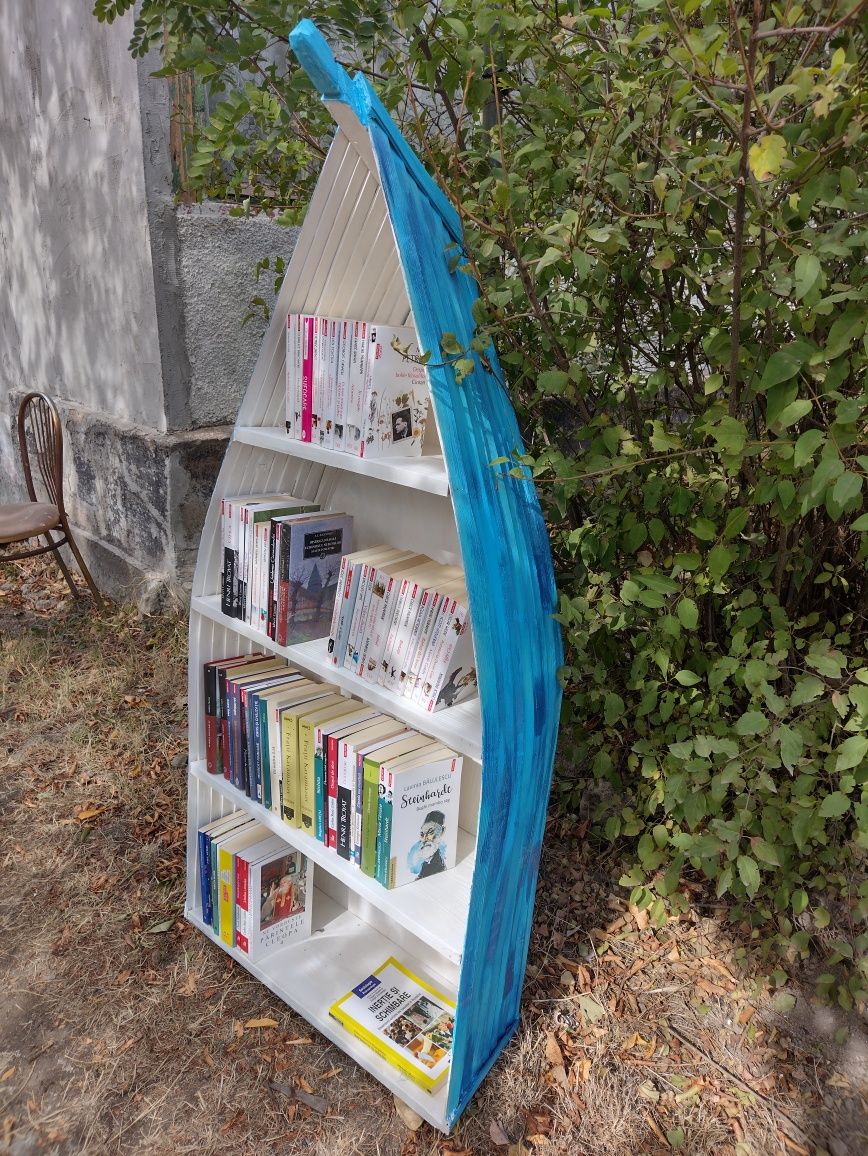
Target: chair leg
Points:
(97, 597)
(55, 549)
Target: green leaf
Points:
(552, 381)
(752, 722)
(845, 330)
(799, 901)
(766, 156)
(782, 365)
(851, 753)
(687, 678)
(806, 446)
(765, 852)
(806, 690)
(860, 524)
(614, 708)
(749, 874)
(794, 412)
(807, 272)
(720, 558)
(675, 1136)
(834, 805)
(791, 746)
(784, 1002)
(847, 487)
(590, 1008)
(688, 613)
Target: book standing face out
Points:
(405, 1020)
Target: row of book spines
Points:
(224, 878)
(398, 622)
(302, 787)
(341, 801)
(255, 576)
(326, 380)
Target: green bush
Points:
(664, 210)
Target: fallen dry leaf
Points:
(263, 1022)
(554, 1055)
(8, 1074)
(497, 1135)
(90, 813)
(408, 1115)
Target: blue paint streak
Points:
(505, 547)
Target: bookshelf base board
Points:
(310, 975)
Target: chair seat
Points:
(22, 520)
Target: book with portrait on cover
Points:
(405, 1020)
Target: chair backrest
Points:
(39, 426)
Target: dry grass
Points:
(122, 1029)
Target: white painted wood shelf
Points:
(427, 473)
(459, 727)
(310, 975)
(434, 910)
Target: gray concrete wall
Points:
(218, 254)
(123, 307)
(77, 315)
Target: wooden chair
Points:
(20, 521)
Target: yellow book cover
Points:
(306, 726)
(289, 761)
(405, 1020)
(226, 877)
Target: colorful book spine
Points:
(307, 337)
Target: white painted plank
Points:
(426, 473)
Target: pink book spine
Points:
(307, 379)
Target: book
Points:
(313, 561)
(358, 358)
(320, 710)
(298, 691)
(353, 569)
(451, 677)
(203, 842)
(364, 751)
(230, 681)
(213, 730)
(372, 774)
(226, 847)
(289, 753)
(274, 895)
(414, 585)
(353, 711)
(396, 394)
(404, 1019)
(386, 588)
(379, 727)
(421, 838)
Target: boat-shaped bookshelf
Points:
(376, 244)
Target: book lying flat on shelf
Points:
(405, 1020)
(272, 897)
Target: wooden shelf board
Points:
(311, 974)
(435, 909)
(425, 473)
(459, 727)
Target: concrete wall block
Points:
(218, 257)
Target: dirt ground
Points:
(123, 1031)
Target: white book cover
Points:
(342, 380)
(424, 826)
(396, 394)
(435, 630)
(330, 374)
(388, 579)
(451, 677)
(290, 374)
(358, 361)
(275, 905)
(348, 593)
